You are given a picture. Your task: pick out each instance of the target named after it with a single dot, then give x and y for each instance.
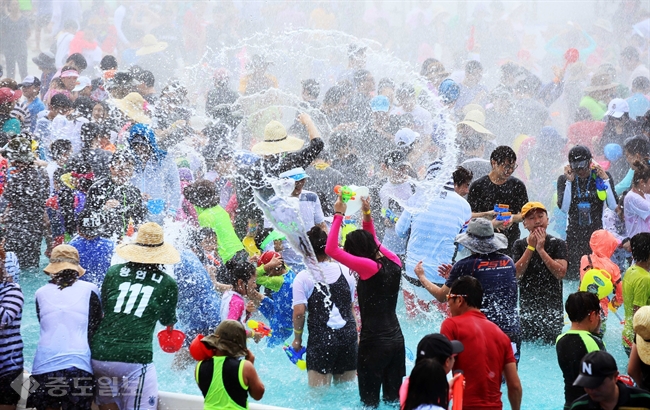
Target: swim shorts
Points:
(130, 385)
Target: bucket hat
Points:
(149, 247)
(601, 82)
(8, 95)
(45, 61)
(64, 257)
(642, 329)
(229, 337)
(133, 105)
(475, 119)
(481, 238)
(150, 45)
(276, 140)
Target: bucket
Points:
(171, 340)
(198, 350)
(156, 206)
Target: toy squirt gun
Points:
(503, 213)
(346, 192)
(601, 185)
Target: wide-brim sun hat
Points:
(642, 329)
(133, 105)
(229, 337)
(64, 257)
(149, 247)
(601, 82)
(475, 119)
(276, 140)
(151, 45)
(481, 238)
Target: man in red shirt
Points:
(488, 351)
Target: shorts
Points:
(69, 388)
(9, 396)
(332, 359)
(129, 385)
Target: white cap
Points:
(406, 137)
(617, 107)
(82, 82)
(297, 174)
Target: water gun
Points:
(259, 327)
(601, 186)
(296, 357)
(503, 213)
(345, 192)
(390, 215)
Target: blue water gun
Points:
(503, 213)
(296, 357)
(601, 186)
(390, 215)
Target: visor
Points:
(590, 382)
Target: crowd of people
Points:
(147, 218)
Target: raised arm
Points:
(369, 226)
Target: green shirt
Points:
(134, 298)
(228, 243)
(636, 292)
(596, 108)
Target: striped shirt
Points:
(11, 343)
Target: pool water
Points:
(286, 385)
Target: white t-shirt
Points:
(637, 214)
(303, 284)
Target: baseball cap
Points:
(82, 82)
(617, 107)
(449, 91)
(529, 206)
(594, 368)
(437, 344)
(297, 174)
(29, 81)
(395, 158)
(267, 256)
(406, 137)
(579, 157)
(8, 95)
(380, 103)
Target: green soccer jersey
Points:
(134, 298)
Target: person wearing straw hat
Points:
(228, 376)
(600, 91)
(70, 307)
(135, 295)
(639, 365)
(156, 57)
(134, 107)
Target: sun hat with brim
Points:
(297, 174)
(8, 95)
(229, 337)
(276, 140)
(617, 108)
(481, 238)
(133, 105)
(595, 367)
(475, 119)
(45, 61)
(64, 257)
(529, 206)
(642, 329)
(149, 247)
(150, 45)
(601, 82)
(82, 82)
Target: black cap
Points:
(436, 344)
(579, 157)
(594, 368)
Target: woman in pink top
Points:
(381, 358)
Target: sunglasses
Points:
(454, 296)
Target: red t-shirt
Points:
(487, 351)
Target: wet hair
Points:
(638, 146)
(89, 132)
(196, 236)
(528, 85)
(104, 107)
(386, 83)
(84, 106)
(641, 172)
(361, 243)
(427, 385)
(630, 53)
(95, 83)
(579, 304)
(147, 78)
(261, 235)
(333, 95)
(202, 193)
(239, 268)
(318, 239)
(79, 60)
(65, 278)
(470, 286)
(405, 90)
(311, 87)
(60, 147)
(217, 133)
(425, 66)
(108, 62)
(217, 152)
(640, 244)
(473, 66)
(582, 114)
(338, 141)
(360, 76)
(642, 84)
(503, 153)
(122, 156)
(472, 141)
(462, 176)
(9, 83)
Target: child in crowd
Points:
(428, 389)
(242, 279)
(206, 239)
(614, 222)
